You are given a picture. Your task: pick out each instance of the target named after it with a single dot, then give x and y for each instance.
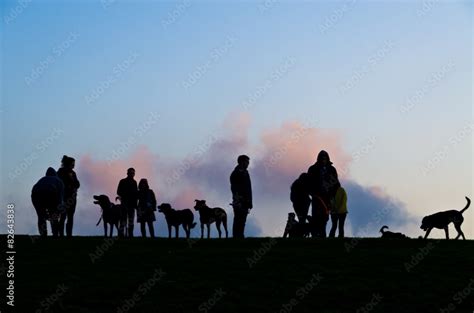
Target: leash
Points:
(324, 205)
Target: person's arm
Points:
(120, 189)
(76, 182)
(153, 200)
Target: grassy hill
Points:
(91, 274)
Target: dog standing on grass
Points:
(175, 218)
(208, 215)
(441, 220)
(112, 214)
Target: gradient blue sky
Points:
(390, 50)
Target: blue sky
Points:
(386, 51)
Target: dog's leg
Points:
(111, 230)
(169, 231)
(105, 229)
(177, 231)
(218, 225)
(202, 230)
(446, 230)
(427, 232)
(208, 231)
(460, 233)
(224, 222)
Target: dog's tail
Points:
(193, 225)
(382, 230)
(467, 205)
(100, 219)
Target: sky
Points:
(178, 89)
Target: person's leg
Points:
(151, 229)
(342, 219)
(334, 218)
(315, 220)
(236, 224)
(61, 224)
(70, 211)
(143, 229)
(131, 220)
(42, 227)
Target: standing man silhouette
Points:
(128, 192)
(241, 188)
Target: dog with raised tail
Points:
(112, 214)
(441, 220)
(391, 235)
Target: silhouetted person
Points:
(128, 192)
(338, 213)
(71, 185)
(241, 187)
(47, 196)
(300, 197)
(323, 184)
(146, 208)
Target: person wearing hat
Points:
(241, 188)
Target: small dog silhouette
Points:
(389, 234)
(295, 229)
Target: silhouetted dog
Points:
(295, 229)
(175, 218)
(112, 214)
(441, 220)
(208, 215)
(391, 235)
